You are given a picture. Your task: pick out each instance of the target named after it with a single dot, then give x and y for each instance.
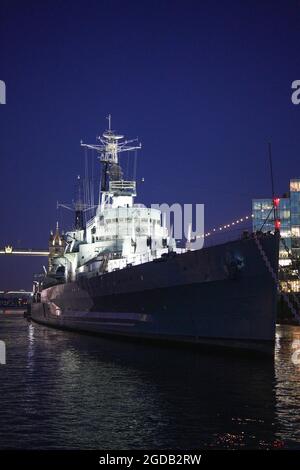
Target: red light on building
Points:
(276, 202)
(277, 224)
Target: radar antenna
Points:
(109, 148)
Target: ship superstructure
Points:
(121, 233)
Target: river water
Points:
(63, 390)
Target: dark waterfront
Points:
(62, 390)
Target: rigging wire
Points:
(85, 182)
(135, 164)
(92, 182)
(127, 167)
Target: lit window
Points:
(295, 231)
(295, 185)
(256, 205)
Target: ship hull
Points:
(222, 296)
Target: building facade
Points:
(288, 213)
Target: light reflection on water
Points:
(287, 383)
(65, 390)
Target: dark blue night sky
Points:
(203, 84)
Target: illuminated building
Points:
(288, 214)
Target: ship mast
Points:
(111, 144)
(78, 207)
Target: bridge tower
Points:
(57, 246)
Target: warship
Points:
(120, 273)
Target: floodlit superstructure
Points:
(120, 233)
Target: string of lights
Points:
(226, 226)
